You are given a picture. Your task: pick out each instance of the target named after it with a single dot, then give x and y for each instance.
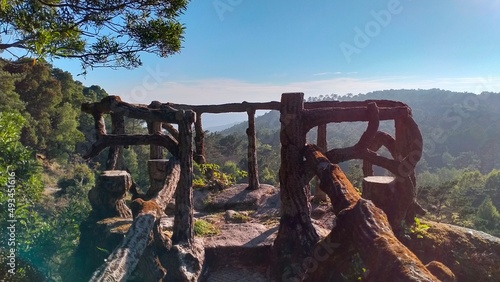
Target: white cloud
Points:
(321, 73)
(219, 91)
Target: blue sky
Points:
(254, 50)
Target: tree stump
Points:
(106, 198)
(383, 192)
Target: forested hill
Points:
(460, 129)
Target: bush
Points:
(212, 176)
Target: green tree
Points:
(230, 168)
(46, 234)
(64, 135)
(229, 144)
(62, 215)
(109, 33)
(9, 99)
(492, 186)
(468, 193)
(268, 162)
(41, 94)
(14, 157)
(210, 175)
(131, 163)
(19, 170)
(488, 217)
(72, 91)
(50, 101)
(436, 199)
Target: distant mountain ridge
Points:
(219, 128)
(459, 128)
(269, 120)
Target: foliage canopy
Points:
(101, 33)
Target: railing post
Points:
(184, 221)
(115, 152)
(296, 235)
(155, 168)
(407, 207)
(199, 140)
(253, 171)
(155, 152)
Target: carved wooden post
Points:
(106, 198)
(156, 169)
(155, 152)
(185, 258)
(296, 235)
(253, 171)
(319, 195)
(407, 189)
(199, 140)
(183, 221)
(115, 152)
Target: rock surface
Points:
(470, 254)
(232, 198)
